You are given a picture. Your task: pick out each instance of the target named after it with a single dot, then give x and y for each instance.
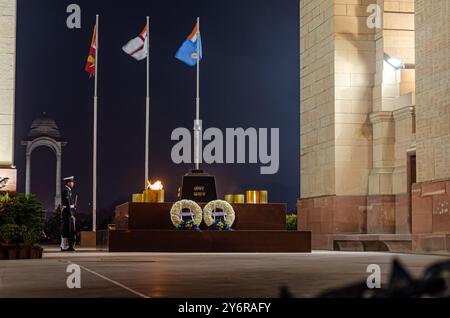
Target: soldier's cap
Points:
(67, 179)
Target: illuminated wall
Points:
(7, 80)
(433, 90)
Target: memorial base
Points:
(210, 241)
(258, 228)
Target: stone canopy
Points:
(44, 127)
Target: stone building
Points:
(7, 84)
(375, 121)
(375, 124)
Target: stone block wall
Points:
(7, 80)
(366, 125)
(433, 89)
(431, 193)
(317, 98)
(354, 55)
(337, 68)
(348, 136)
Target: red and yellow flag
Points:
(90, 64)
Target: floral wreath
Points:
(195, 213)
(212, 217)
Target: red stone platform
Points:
(146, 227)
(155, 216)
(209, 241)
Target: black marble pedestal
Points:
(198, 186)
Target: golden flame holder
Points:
(153, 196)
(235, 198)
(229, 198)
(239, 198)
(252, 196)
(137, 198)
(257, 197)
(263, 197)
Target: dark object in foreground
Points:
(435, 282)
(285, 292)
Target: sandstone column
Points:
(58, 180)
(28, 175)
(7, 86)
(431, 195)
(351, 163)
(337, 68)
(7, 81)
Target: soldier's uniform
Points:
(68, 220)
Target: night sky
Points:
(249, 78)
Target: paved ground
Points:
(195, 275)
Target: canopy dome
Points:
(44, 126)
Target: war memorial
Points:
(373, 168)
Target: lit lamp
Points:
(395, 62)
(154, 193)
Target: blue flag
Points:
(187, 53)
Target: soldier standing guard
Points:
(68, 216)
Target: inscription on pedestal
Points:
(199, 187)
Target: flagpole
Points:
(147, 109)
(197, 125)
(94, 161)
